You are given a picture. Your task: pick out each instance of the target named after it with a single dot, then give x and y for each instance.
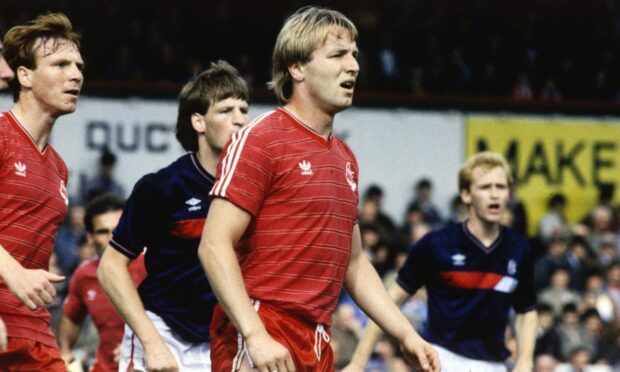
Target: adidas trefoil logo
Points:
(193, 203)
(20, 169)
(305, 167)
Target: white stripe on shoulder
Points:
(233, 153)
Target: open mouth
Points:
(73, 92)
(495, 207)
(349, 84)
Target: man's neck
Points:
(208, 158)
(312, 116)
(485, 232)
(36, 122)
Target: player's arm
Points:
(3, 336)
(365, 287)
(33, 287)
(226, 223)
(113, 274)
(525, 328)
(68, 332)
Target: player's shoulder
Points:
(158, 184)
(514, 238)
(86, 269)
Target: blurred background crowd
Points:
(519, 51)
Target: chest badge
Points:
(350, 175)
(512, 267)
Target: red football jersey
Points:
(33, 204)
(301, 190)
(87, 297)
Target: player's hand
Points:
(420, 354)
(4, 343)
(35, 288)
(159, 358)
(117, 353)
(269, 355)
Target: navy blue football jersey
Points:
(470, 288)
(165, 214)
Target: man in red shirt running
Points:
(282, 237)
(86, 297)
(45, 56)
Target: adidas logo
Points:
(193, 203)
(305, 167)
(20, 169)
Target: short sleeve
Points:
(245, 171)
(74, 307)
(142, 218)
(414, 273)
(524, 297)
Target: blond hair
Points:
(487, 160)
(20, 42)
(303, 32)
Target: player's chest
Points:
(188, 211)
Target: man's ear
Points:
(465, 197)
(23, 76)
(297, 71)
(198, 122)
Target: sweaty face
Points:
(103, 225)
(488, 194)
(223, 119)
(329, 77)
(57, 79)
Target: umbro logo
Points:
(306, 168)
(20, 169)
(91, 294)
(193, 203)
(458, 260)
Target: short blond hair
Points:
(487, 160)
(303, 33)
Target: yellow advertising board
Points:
(551, 155)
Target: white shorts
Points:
(452, 362)
(189, 356)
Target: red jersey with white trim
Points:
(33, 204)
(87, 297)
(302, 191)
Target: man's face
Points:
(223, 119)
(488, 194)
(57, 79)
(103, 225)
(6, 74)
(328, 79)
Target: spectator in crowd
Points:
(556, 256)
(613, 284)
(423, 198)
(545, 363)
(68, 238)
(572, 334)
(547, 338)
(103, 181)
(553, 224)
(559, 294)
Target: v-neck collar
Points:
(311, 132)
(473, 239)
(203, 172)
(22, 130)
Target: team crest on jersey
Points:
(306, 168)
(91, 294)
(512, 267)
(193, 204)
(20, 169)
(458, 260)
(63, 192)
(349, 174)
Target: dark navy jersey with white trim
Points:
(166, 213)
(470, 288)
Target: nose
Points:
(5, 71)
(239, 118)
(351, 64)
(76, 74)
